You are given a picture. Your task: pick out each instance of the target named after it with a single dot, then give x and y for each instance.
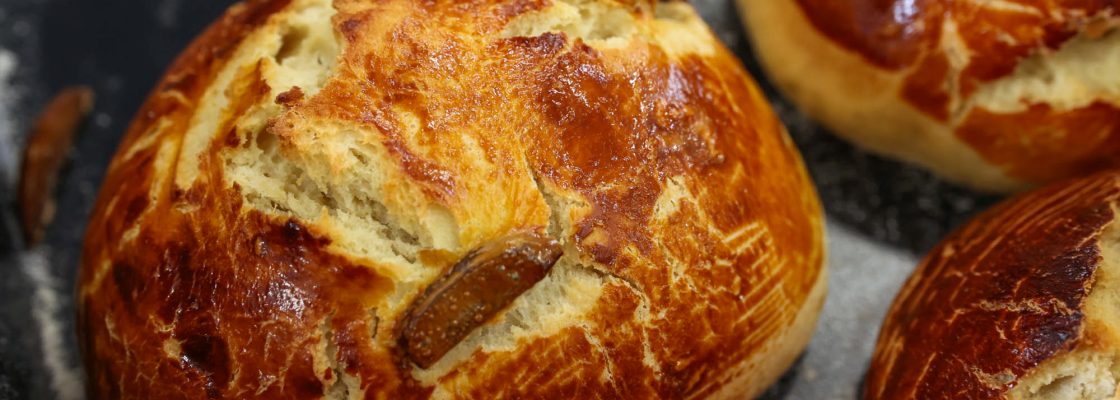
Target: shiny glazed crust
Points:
(306, 168)
(999, 95)
(1020, 304)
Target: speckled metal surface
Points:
(882, 214)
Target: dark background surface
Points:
(120, 48)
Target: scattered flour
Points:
(51, 302)
(167, 13)
(9, 98)
(47, 306)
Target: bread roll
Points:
(1021, 303)
(998, 95)
(488, 199)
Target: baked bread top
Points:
(969, 63)
(1021, 303)
(308, 171)
(999, 95)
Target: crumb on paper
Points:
(810, 374)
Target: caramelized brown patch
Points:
(290, 97)
(205, 354)
(927, 88)
(891, 34)
(129, 284)
(997, 297)
(515, 8)
(222, 292)
(1040, 144)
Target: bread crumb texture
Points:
(1021, 303)
(307, 168)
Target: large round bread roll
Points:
(1021, 303)
(998, 95)
(487, 199)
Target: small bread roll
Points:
(997, 95)
(489, 199)
(1021, 303)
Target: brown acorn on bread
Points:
(491, 199)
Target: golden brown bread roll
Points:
(998, 95)
(1021, 303)
(403, 199)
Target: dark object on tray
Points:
(44, 156)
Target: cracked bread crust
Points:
(306, 168)
(1018, 304)
(1000, 95)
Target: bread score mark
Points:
(480, 285)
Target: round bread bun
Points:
(998, 95)
(1021, 303)
(489, 199)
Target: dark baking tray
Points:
(120, 48)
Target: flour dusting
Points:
(48, 302)
(9, 97)
(167, 13)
